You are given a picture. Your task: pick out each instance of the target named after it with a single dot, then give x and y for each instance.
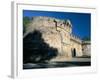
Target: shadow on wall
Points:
(36, 50)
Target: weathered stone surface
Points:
(86, 46)
(57, 33)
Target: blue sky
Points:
(81, 22)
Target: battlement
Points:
(75, 38)
(53, 22)
(86, 42)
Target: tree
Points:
(86, 38)
(26, 21)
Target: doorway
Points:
(74, 52)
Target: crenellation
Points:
(75, 38)
(58, 34)
(48, 21)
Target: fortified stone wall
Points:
(86, 48)
(76, 46)
(57, 33)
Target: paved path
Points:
(72, 63)
(81, 59)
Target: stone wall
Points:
(76, 46)
(86, 47)
(57, 34)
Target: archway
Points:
(74, 52)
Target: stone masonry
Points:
(58, 34)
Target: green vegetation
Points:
(87, 39)
(26, 21)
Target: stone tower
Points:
(57, 33)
